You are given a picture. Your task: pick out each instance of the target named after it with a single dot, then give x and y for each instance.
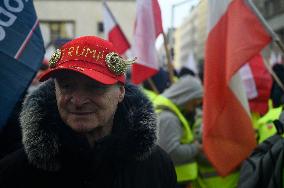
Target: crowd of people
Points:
(85, 125)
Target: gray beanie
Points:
(185, 89)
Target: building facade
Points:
(61, 20)
(192, 34)
(273, 12)
(190, 37)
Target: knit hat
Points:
(185, 89)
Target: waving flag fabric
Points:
(258, 83)
(235, 36)
(21, 52)
(147, 27)
(248, 81)
(113, 32)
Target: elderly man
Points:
(84, 127)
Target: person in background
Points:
(265, 123)
(176, 108)
(186, 71)
(160, 82)
(85, 127)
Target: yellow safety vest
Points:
(208, 178)
(254, 118)
(150, 94)
(265, 124)
(207, 175)
(188, 171)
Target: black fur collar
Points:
(134, 127)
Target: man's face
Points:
(85, 104)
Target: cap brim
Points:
(95, 75)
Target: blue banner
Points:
(21, 52)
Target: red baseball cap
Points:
(91, 56)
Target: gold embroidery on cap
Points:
(63, 51)
(117, 64)
(100, 55)
(82, 52)
(54, 58)
(91, 52)
(70, 51)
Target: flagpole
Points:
(153, 86)
(274, 36)
(109, 11)
(169, 64)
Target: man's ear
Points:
(121, 93)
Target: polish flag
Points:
(248, 81)
(258, 83)
(148, 26)
(113, 32)
(236, 35)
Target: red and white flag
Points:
(258, 83)
(148, 26)
(113, 32)
(248, 81)
(235, 36)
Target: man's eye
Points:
(98, 89)
(66, 86)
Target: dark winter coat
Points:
(55, 156)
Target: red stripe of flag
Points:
(228, 133)
(113, 31)
(118, 39)
(148, 26)
(263, 82)
(27, 39)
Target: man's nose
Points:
(79, 98)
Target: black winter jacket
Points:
(55, 156)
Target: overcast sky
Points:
(180, 11)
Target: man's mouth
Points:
(81, 113)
